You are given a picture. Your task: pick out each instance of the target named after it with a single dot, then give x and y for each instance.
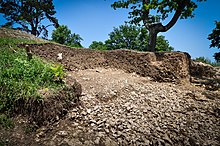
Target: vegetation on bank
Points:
(207, 61)
(21, 79)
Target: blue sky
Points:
(95, 19)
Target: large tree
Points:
(134, 38)
(63, 35)
(141, 12)
(214, 37)
(29, 14)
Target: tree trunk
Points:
(152, 40)
(155, 28)
(33, 30)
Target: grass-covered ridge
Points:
(21, 78)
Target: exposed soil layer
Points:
(162, 67)
(53, 106)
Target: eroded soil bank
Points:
(162, 67)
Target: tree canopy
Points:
(141, 14)
(134, 38)
(214, 37)
(64, 36)
(130, 37)
(29, 14)
(98, 45)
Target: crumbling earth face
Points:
(161, 67)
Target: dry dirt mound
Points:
(162, 67)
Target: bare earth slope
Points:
(129, 98)
(120, 108)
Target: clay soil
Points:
(128, 98)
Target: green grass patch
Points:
(20, 78)
(5, 121)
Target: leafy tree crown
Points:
(64, 36)
(215, 36)
(29, 14)
(134, 38)
(140, 9)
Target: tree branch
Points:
(181, 6)
(145, 13)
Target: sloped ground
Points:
(119, 108)
(126, 102)
(129, 106)
(13, 33)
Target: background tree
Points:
(140, 12)
(123, 37)
(214, 37)
(63, 35)
(134, 38)
(203, 60)
(29, 14)
(98, 45)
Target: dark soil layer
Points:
(162, 67)
(53, 106)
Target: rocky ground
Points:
(118, 108)
(126, 101)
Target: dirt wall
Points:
(162, 67)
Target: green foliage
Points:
(29, 15)
(162, 44)
(63, 35)
(207, 61)
(217, 57)
(134, 38)
(98, 45)
(162, 8)
(58, 71)
(203, 60)
(214, 37)
(5, 121)
(20, 78)
(124, 37)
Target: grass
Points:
(20, 78)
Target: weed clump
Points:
(21, 78)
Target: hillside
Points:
(128, 98)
